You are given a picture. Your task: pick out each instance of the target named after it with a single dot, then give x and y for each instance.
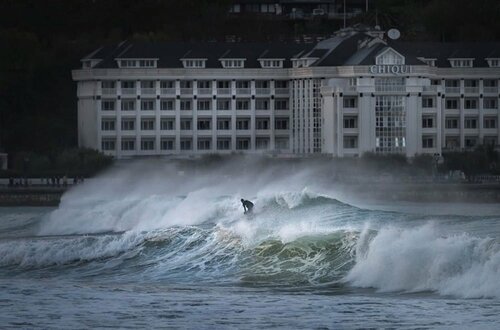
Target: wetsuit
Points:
(247, 206)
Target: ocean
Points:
(155, 247)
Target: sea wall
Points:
(31, 196)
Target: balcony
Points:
(167, 91)
(487, 89)
(431, 88)
(109, 91)
(129, 91)
(186, 91)
(262, 91)
(390, 88)
(282, 91)
(148, 91)
(452, 90)
(471, 90)
(204, 91)
(243, 91)
(223, 91)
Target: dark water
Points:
(147, 258)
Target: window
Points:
(462, 63)
(470, 103)
(223, 104)
(262, 143)
(204, 105)
(427, 121)
(147, 63)
(148, 84)
(147, 105)
(223, 84)
(126, 84)
(490, 122)
(350, 122)
(186, 105)
(262, 123)
(427, 102)
(281, 144)
(262, 84)
(427, 142)
(204, 124)
(242, 104)
(490, 140)
(490, 103)
(470, 123)
(204, 84)
(390, 57)
(186, 144)
(186, 84)
(128, 144)
(233, 63)
(350, 142)
(108, 105)
(281, 84)
(204, 144)
(147, 144)
(108, 84)
(350, 102)
(271, 63)
(128, 124)
(128, 64)
(186, 124)
(223, 144)
(242, 143)
(452, 123)
(470, 141)
(281, 104)
(167, 144)
(243, 124)
(223, 124)
(147, 124)
(242, 84)
(108, 125)
(164, 84)
(108, 144)
(167, 105)
(128, 105)
(261, 104)
(167, 124)
(493, 62)
(451, 103)
(194, 63)
(281, 123)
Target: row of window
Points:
(202, 104)
(168, 124)
(231, 63)
(148, 144)
(470, 141)
(470, 122)
(219, 84)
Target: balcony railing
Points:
(432, 88)
(244, 91)
(185, 91)
(204, 91)
(223, 91)
(109, 91)
(167, 91)
(471, 90)
(490, 89)
(390, 88)
(281, 91)
(262, 91)
(453, 90)
(148, 91)
(128, 91)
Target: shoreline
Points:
(388, 192)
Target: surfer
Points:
(247, 206)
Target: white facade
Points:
(388, 106)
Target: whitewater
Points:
(152, 245)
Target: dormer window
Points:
(493, 62)
(390, 57)
(303, 62)
(194, 63)
(461, 62)
(86, 64)
(137, 63)
(271, 63)
(233, 63)
(428, 61)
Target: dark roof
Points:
(346, 49)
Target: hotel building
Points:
(356, 92)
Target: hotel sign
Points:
(391, 69)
